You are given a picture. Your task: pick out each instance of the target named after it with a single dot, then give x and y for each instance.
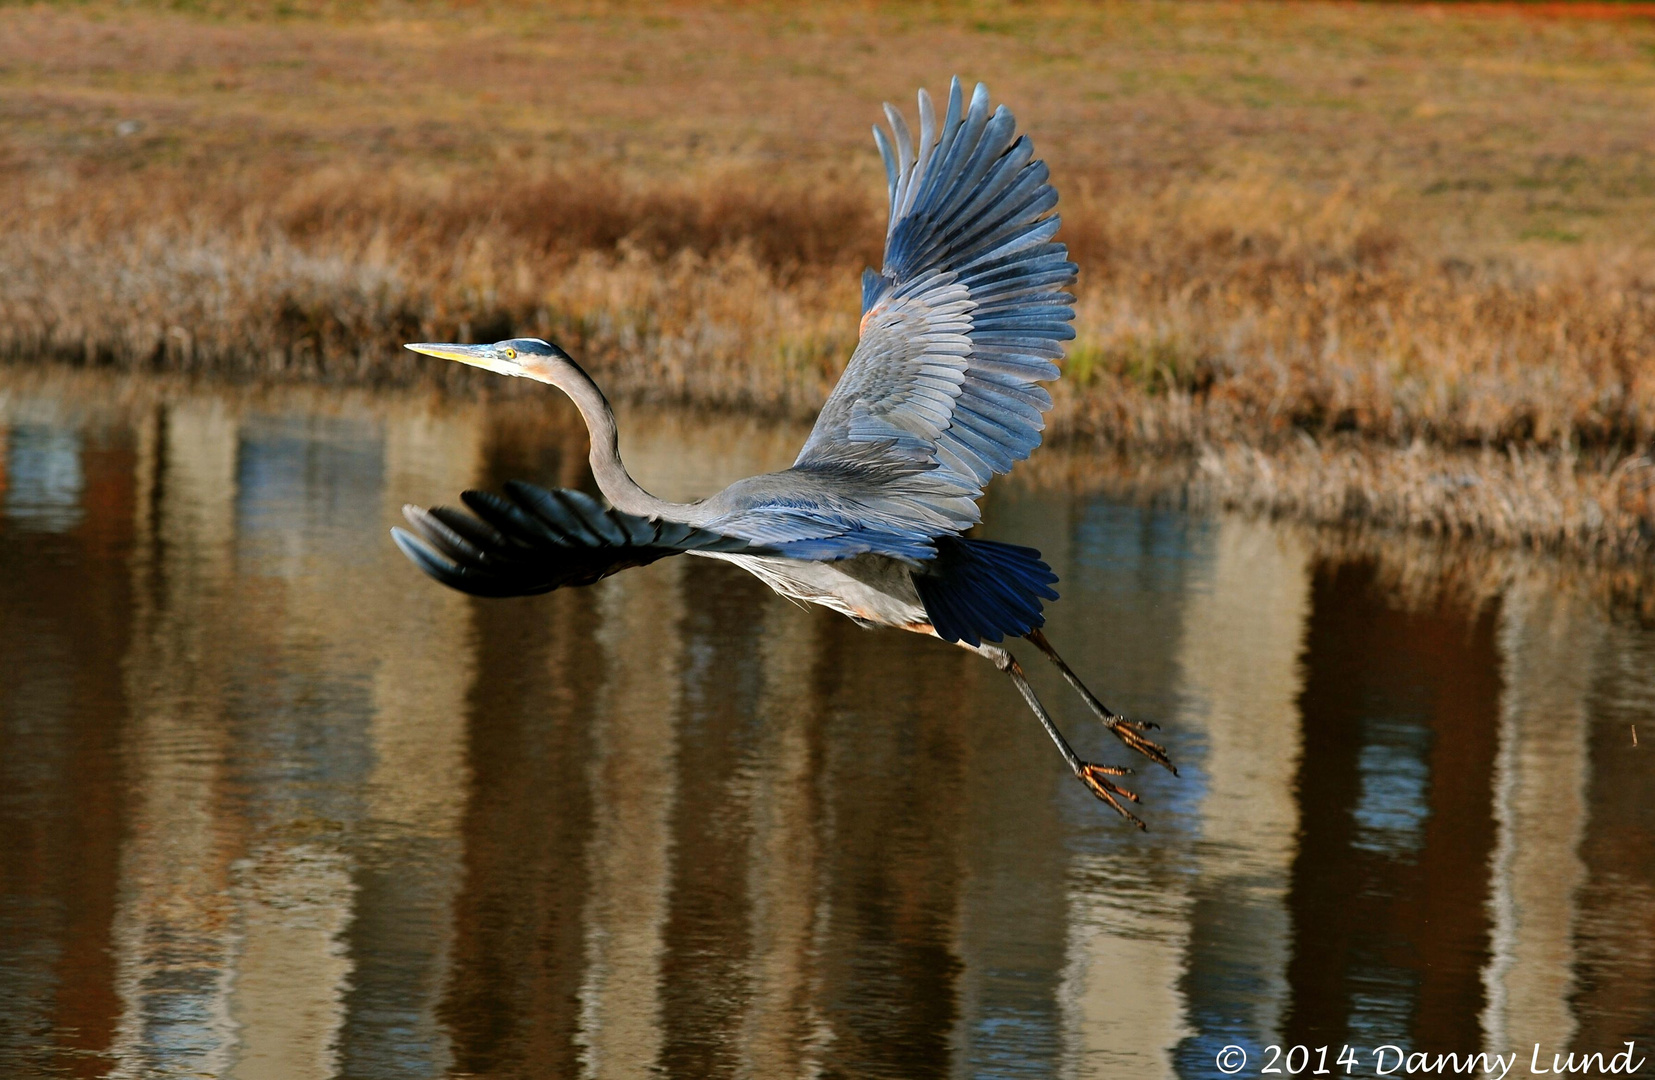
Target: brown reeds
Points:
(712, 295)
(1326, 307)
(1190, 331)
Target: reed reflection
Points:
(705, 968)
(1613, 997)
(65, 623)
(783, 1028)
(1239, 666)
(892, 769)
(173, 929)
(1549, 645)
(636, 778)
(512, 999)
(298, 712)
(412, 662)
(272, 805)
(1129, 896)
(1388, 892)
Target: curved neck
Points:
(613, 480)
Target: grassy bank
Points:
(1350, 262)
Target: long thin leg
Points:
(1130, 732)
(1093, 776)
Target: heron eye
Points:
(510, 354)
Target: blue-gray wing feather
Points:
(960, 326)
(965, 319)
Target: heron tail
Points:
(981, 590)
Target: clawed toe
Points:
(1093, 777)
(1131, 732)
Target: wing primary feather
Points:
(1023, 200)
(1036, 299)
(1039, 321)
(545, 540)
(889, 157)
(1018, 239)
(1016, 227)
(945, 145)
(972, 138)
(1031, 396)
(988, 145)
(641, 531)
(539, 503)
(476, 532)
(1011, 279)
(904, 153)
(927, 139)
(1007, 415)
(1001, 438)
(1008, 192)
(1009, 179)
(965, 139)
(507, 517)
(1041, 269)
(441, 538)
(579, 507)
(424, 556)
(610, 528)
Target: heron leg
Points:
(1130, 732)
(1092, 775)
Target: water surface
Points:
(274, 805)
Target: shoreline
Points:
(1480, 507)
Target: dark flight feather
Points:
(531, 540)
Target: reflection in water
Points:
(1391, 879)
(1550, 642)
(781, 1032)
(634, 785)
(272, 805)
(43, 482)
(176, 929)
(1130, 898)
(1239, 664)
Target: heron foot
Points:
(1093, 777)
(1131, 732)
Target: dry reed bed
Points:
(1217, 315)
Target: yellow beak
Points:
(487, 357)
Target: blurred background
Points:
(1349, 481)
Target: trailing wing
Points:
(531, 540)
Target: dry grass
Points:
(1334, 252)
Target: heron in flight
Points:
(959, 329)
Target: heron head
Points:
(529, 358)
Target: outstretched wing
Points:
(533, 541)
(964, 321)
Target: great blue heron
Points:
(959, 329)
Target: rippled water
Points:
(274, 805)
